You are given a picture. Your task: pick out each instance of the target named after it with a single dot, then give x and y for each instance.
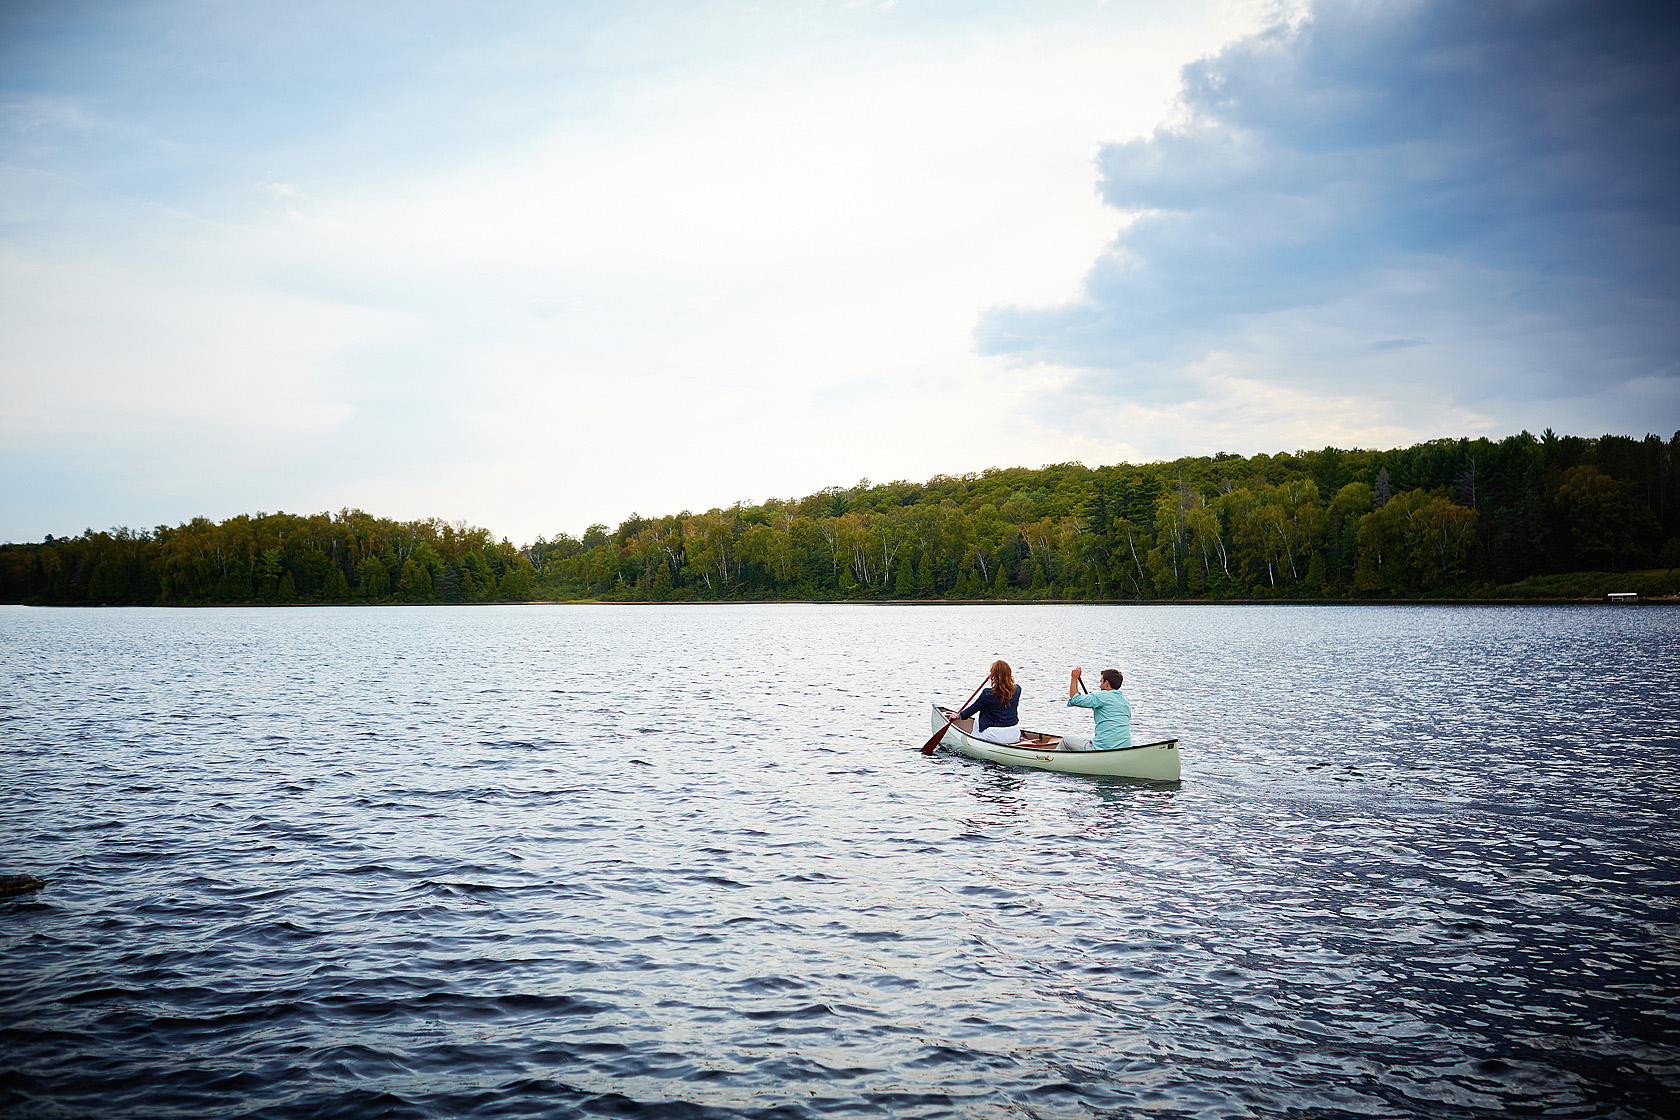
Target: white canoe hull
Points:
(1155, 762)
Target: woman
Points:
(999, 706)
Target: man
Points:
(1113, 712)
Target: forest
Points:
(1527, 516)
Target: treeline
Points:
(270, 558)
(1456, 518)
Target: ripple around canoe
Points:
(348, 863)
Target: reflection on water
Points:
(687, 861)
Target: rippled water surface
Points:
(686, 861)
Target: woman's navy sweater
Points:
(993, 713)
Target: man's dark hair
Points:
(1114, 677)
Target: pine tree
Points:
(905, 582)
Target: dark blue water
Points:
(686, 862)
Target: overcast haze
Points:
(539, 266)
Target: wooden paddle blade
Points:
(933, 744)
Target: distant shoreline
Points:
(1549, 519)
(1665, 600)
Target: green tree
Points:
(1341, 531)
(1171, 554)
(516, 581)
(269, 566)
(375, 581)
(904, 584)
(477, 580)
(415, 581)
(1415, 541)
(1441, 534)
(1603, 521)
(235, 586)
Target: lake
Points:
(686, 861)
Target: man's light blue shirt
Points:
(1114, 717)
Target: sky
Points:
(539, 265)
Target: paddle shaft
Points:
(933, 744)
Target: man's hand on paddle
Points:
(1073, 684)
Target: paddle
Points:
(933, 744)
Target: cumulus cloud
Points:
(1443, 205)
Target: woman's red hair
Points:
(1003, 682)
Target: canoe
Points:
(1155, 762)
